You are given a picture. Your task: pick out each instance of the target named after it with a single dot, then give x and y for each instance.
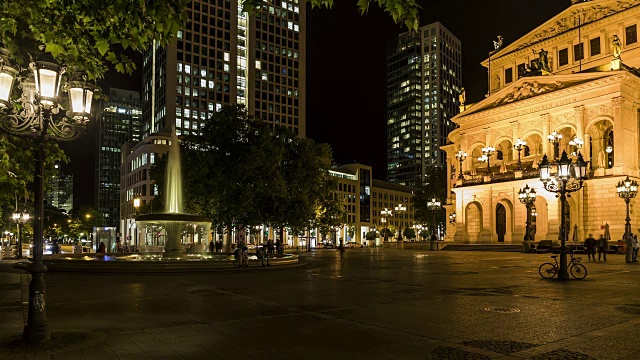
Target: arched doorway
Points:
(501, 222)
(473, 221)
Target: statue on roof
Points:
(542, 63)
(616, 47)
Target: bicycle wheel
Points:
(548, 270)
(578, 271)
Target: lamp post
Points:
(461, 156)
(40, 114)
(554, 138)
(527, 197)
(567, 177)
(576, 144)
(452, 218)
(487, 152)
(385, 220)
(136, 207)
(627, 190)
(20, 218)
(400, 208)
(519, 146)
(434, 205)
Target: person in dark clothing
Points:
(212, 247)
(102, 249)
(270, 246)
(590, 247)
(603, 245)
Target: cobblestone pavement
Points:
(376, 304)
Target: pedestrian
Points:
(237, 257)
(212, 247)
(270, 246)
(590, 246)
(636, 246)
(245, 256)
(603, 245)
(341, 249)
(102, 249)
(278, 245)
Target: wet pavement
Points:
(376, 304)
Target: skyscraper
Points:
(61, 194)
(119, 122)
(424, 80)
(225, 57)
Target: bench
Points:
(545, 246)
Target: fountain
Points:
(174, 221)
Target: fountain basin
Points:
(156, 263)
(174, 225)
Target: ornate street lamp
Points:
(462, 156)
(527, 197)
(400, 209)
(487, 152)
(434, 205)
(576, 144)
(40, 115)
(519, 146)
(554, 138)
(20, 218)
(452, 218)
(566, 177)
(627, 190)
(385, 213)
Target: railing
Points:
(503, 177)
(476, 180)
(530, 174)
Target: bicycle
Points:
(577, 270)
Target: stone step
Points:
(484, 247)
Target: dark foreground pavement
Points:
(377, 304)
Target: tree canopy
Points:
(255, 175)
(435, 186)
(93, 34)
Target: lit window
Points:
(187, 113)
(187, 91)
(179, 66)
(226, 56)
(187, 69)
(203, 83)
(179, 34)
(296, 9)
(210, 84)
(289, 25)
(226, 67)
(203, 72)
(284, 4)
(296, 28)
(258, 64)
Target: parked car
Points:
(329, 246)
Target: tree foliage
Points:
(434, 186)
(255, 175)
(17, 166)
(93, 34)
(409, 233)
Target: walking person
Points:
(270, 246)
(603, 245)
(590, 246)
(636, 246)
(341, 249)
(102, 248)
(244, 255)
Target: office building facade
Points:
(61, 194)
(118, 123)
(424, 80)
(224, 57)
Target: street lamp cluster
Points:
(527, 197)
(627, 190)
(20, 218)
(434, 205)
(42, 112)
(563, 177)
(487, 152)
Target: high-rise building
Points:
(424, 80)
(61, 195)
(224, 57)
(119, 122)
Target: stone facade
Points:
(592, 105)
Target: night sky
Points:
(346, 73)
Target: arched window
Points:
(527, 150)
(499, 155)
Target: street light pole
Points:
(20, 218)
(462, 156)
(400, 209)
(434, 205)
(566, 178)
(519, 146)
(487, 152)
(43, 118)
(554, 138)
(385, 213)
(627, 190)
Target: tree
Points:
(93, 34)
(371, 235)
(17, 171)
(409, 233)
(435, 186)
(351, 231)
(424, 234)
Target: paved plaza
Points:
(376, 304)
